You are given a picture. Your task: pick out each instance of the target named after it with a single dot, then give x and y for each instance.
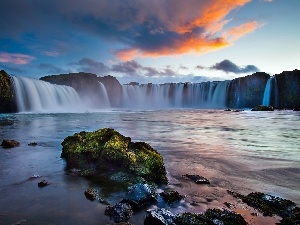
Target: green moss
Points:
(6, 90)
(107, 151)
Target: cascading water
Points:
(219, 98)
(199, 95)
(39, 96)
(104, 96)
(267, 93)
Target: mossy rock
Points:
(263, 108)
(106, 151)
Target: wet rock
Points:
(225, 217)
(120, 212)
(159, 217)
(296, 109)
(197, 179)
(263, 108)
(93, 194)
(32, 144)
(227, 110)
(192, 219)
(43, 183)
(271, 205)
(211, 217)
(10, 143)
(106, 151)
(140, 195)
(171, 196)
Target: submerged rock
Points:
(197, 179)
(93, 194)
(140, 195)
(43, 183)
(32, 144)
(120, 212)
(10, 143)
(106, 151)
(263, 108)
(171, 196)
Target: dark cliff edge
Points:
(7, 95)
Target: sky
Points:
(157, 41)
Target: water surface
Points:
(241, 151)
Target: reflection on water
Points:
(244, 151)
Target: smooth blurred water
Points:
(242, 151)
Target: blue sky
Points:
(154, 41)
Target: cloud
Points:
(52, 69)
(237, 32)
(15, 58)
(133, 68)
(144, 28)
(228, 66)
(199, 67)
(91, 66)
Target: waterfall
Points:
(34, 95)
(219, 98)
(267, 93)
(199, 95)
(104, 96)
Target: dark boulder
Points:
(140, 195)
(120, 212)
(43, 183)
(171, 196)
(211, 217)
(271, 205)
(10, 143)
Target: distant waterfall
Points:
(104, 96)
(267, 93)
(34, 95)
(199, 95)
(271, 93)
(219, 98)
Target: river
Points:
(241, 151)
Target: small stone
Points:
(32, 144)
(197, 179)
(43, 183)
(10, 143)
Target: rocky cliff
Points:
(247, 92)
(7, 96)
(288, 83)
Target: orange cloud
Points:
(192, 30)
(237, 32)
(20, 59)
